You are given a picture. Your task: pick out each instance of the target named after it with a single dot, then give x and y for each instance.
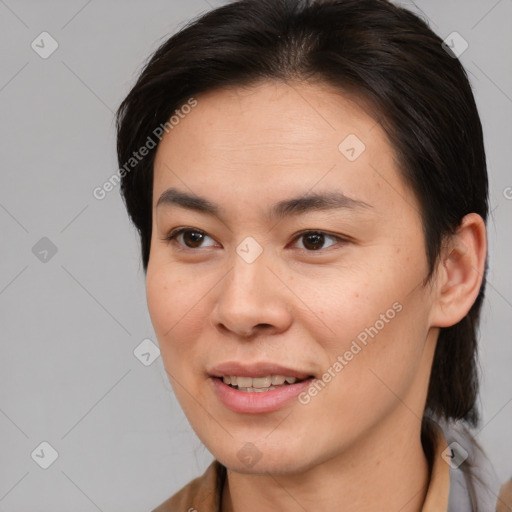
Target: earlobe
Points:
(460, 273)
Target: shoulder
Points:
(505, 498)
(201, 494)
(473, 481)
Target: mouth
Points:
(260, 384)
(257, 388)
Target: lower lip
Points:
(257, 402)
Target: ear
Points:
(460, 272)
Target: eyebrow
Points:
(285, 208)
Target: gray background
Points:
(70, 323)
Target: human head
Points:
(393, 65)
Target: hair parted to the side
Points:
(382, 54)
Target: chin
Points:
(274, 459)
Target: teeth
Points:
(257, 390)
(243, 382)
(261, 382)
(257, 383)
(278, 380)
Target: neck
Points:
(376, 474)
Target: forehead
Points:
(273, 139)
(288, 119)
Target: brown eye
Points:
(315, 240)
(192, 238)
(189, 238)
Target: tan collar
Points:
(203, 494)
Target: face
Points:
(303, 257)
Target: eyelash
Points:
(173, 235)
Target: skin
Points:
(358, 441)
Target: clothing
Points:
(485, 481)
(448, 489)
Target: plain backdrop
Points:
(72, 300)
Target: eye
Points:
(189, 237)
(314, 240)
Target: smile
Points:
(249, 399)
(258, 384)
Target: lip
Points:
(253, 402)
(260, 369)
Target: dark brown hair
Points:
(390, 59)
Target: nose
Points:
(252, 299)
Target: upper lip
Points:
(260, 369)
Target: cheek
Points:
(162, 292)
(176, 309)
(377, 317)
(349, 305)
(177, 314)
(378, 353)
(365, 380)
